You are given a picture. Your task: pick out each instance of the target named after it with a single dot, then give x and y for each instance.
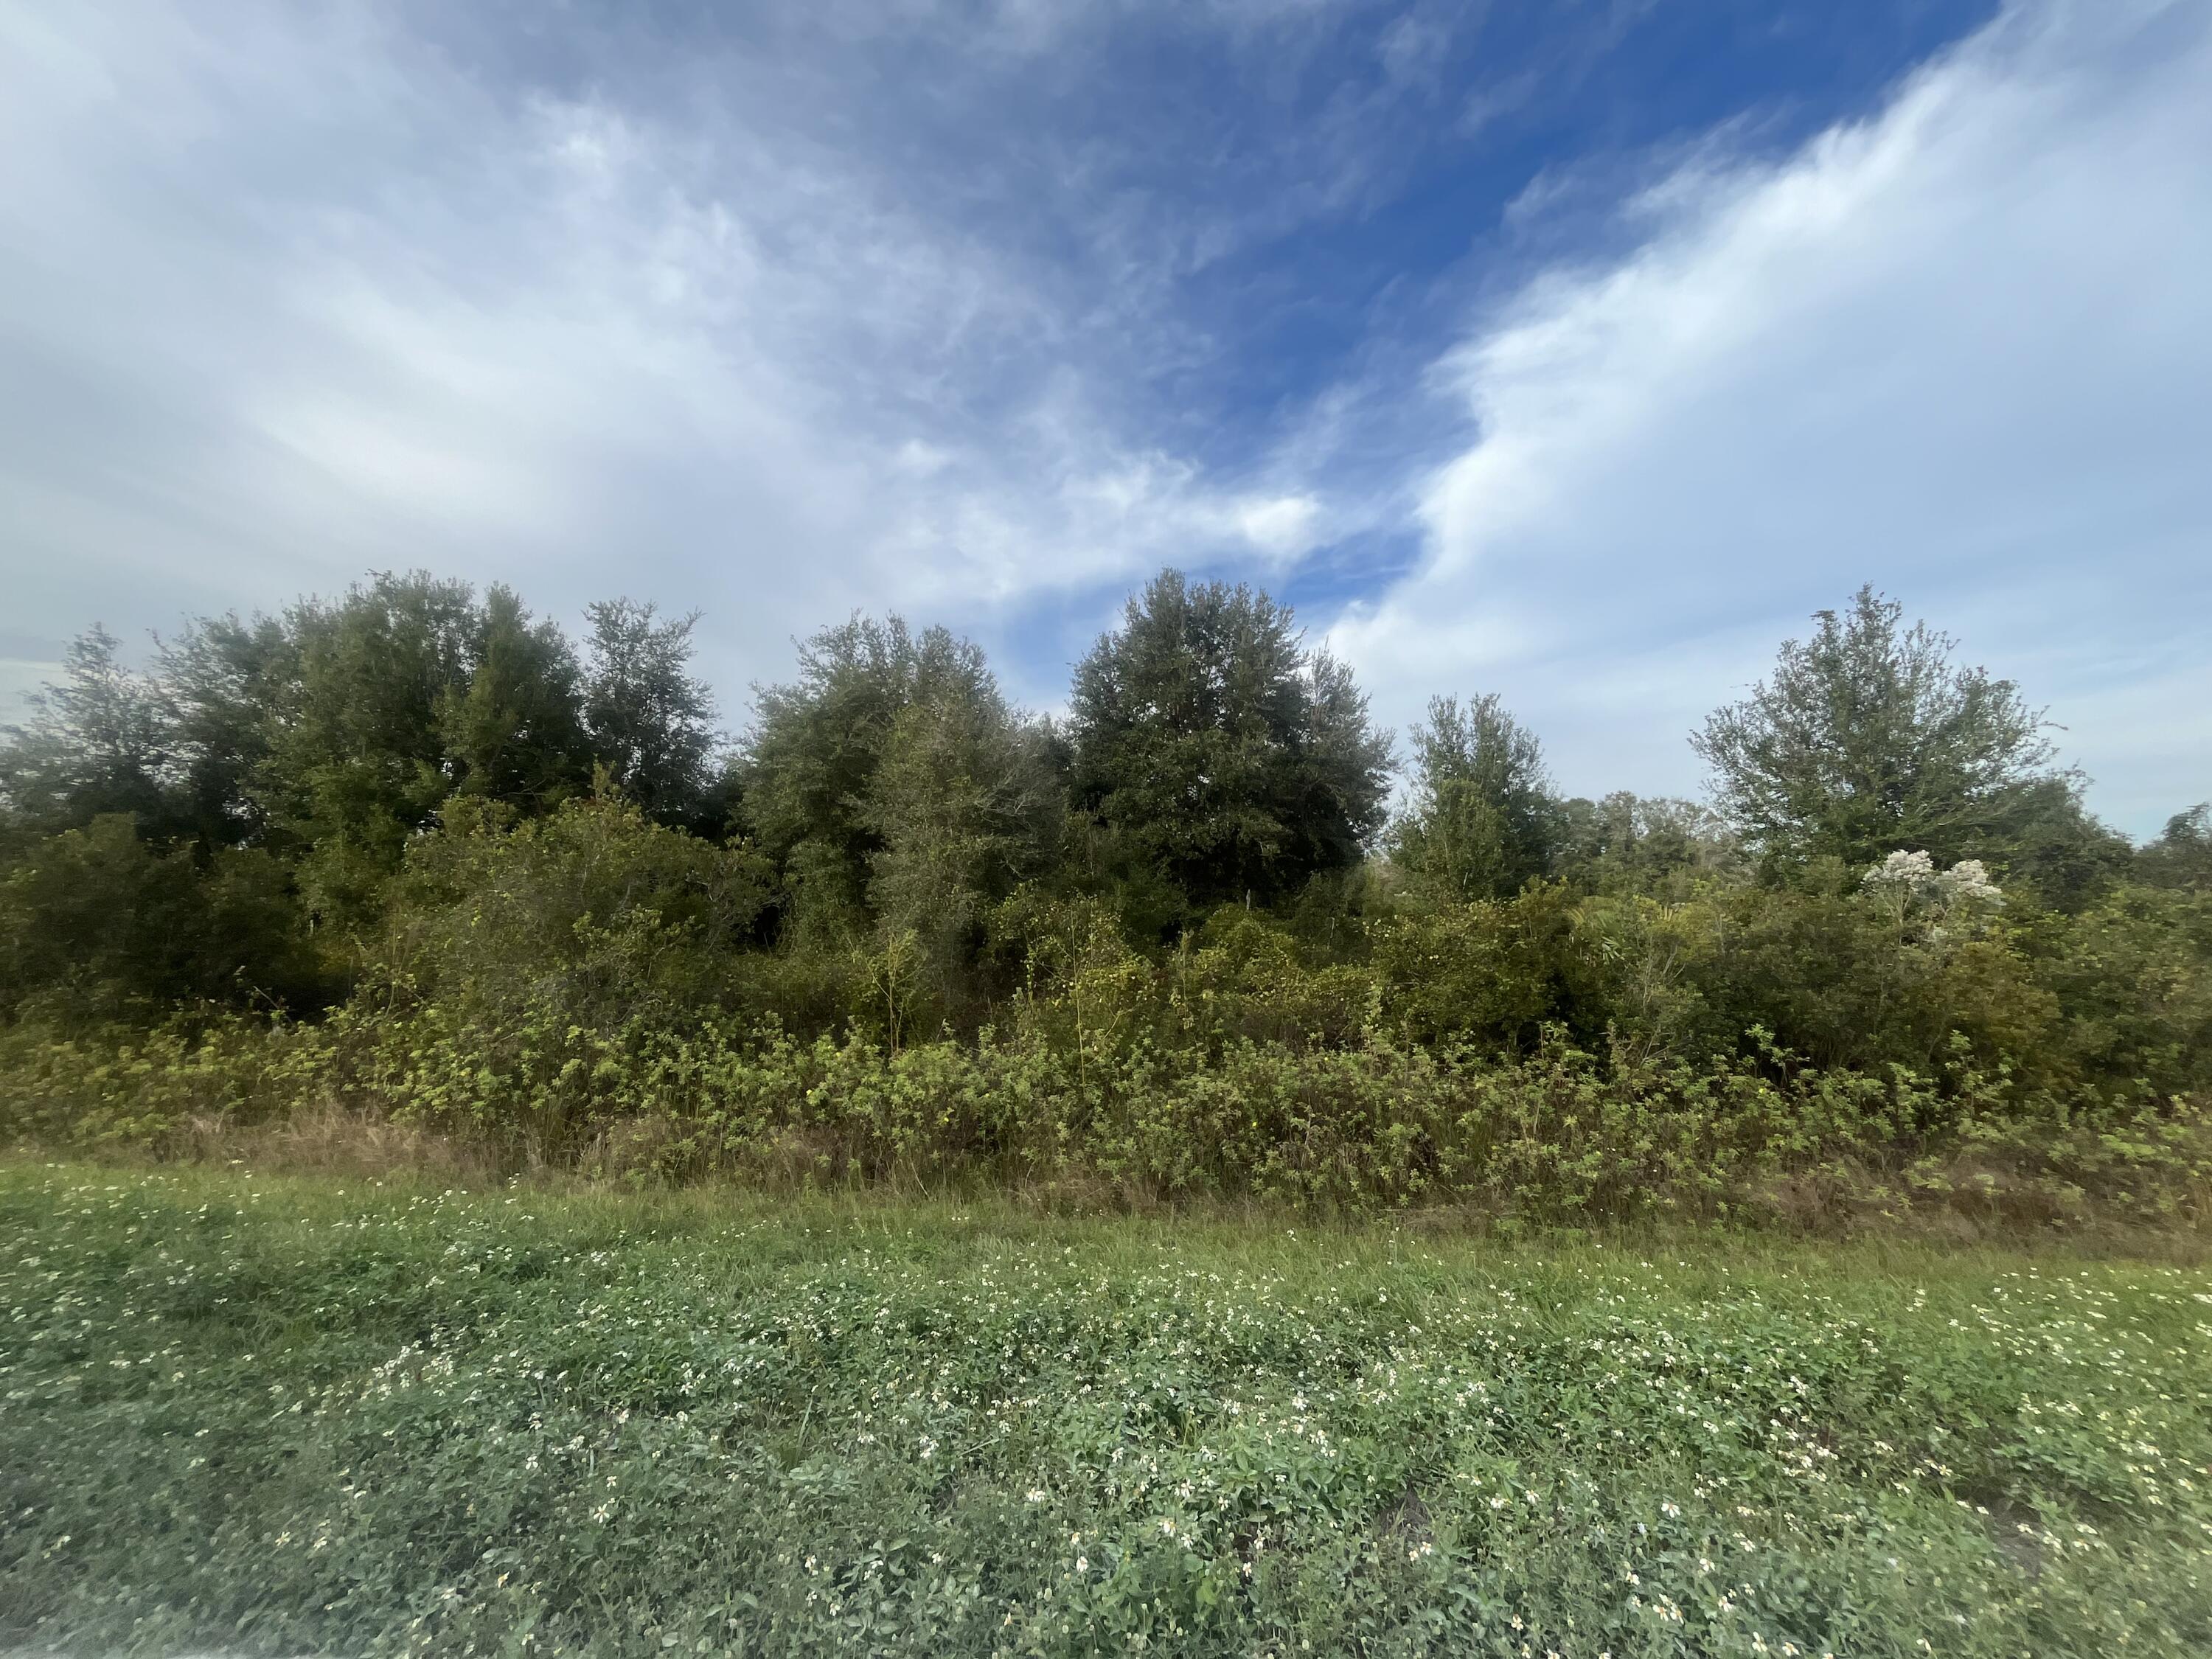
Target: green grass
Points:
(287, 1416)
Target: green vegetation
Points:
(281, 1416)
(1218, 759)
(412, 856)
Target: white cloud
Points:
(289, 294)
(1962, 349)
(1281, 526)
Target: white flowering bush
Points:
(1909, 885)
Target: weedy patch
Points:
(337, 1416)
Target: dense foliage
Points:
(255, 1416)
(1222, 760)
(412, 853)
(1484, 821)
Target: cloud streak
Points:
(292, 294)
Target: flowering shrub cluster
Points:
(1910, 887)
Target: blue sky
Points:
(1576, 352)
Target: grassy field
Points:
(291, 1416)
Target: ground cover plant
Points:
(364, 1415)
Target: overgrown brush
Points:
(1558, 1138)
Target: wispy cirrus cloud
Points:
(291, 294)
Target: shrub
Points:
(594, 914)
(1559, 1137)
(96, 924)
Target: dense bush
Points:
(96, 924)
(593, 915)
(1558, 1137)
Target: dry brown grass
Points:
(331, 1140)
(1976, 1203)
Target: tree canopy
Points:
(1218, 752)
(1483, 817)
(651, 722)
(417, 793)
(1868, 737)
(97, 742)
(892, 780)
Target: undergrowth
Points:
(1558, 1138)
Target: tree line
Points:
(426, 806)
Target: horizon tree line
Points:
(251, 797)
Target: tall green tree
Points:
(2182, 857)
(894, 784)
(965, 804)
(651, 721)
(357, 761)
(225, 681)
(514, 731)
(1483, 817)
(98, 741)
(2050, 843)
(1213, 748)
(1868, 738)
(811, 758)
(377, 708)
